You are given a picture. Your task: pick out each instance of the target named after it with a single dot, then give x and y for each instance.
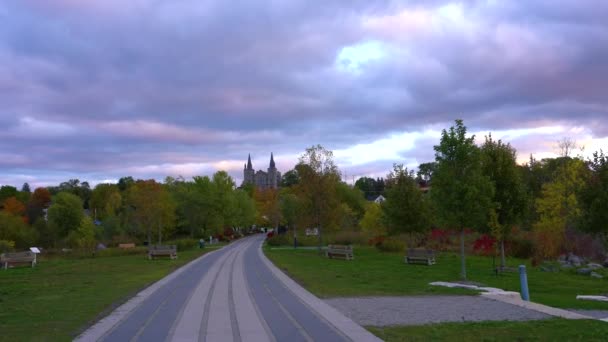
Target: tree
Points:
(84, 236)
(425, 172)
(268, 209)
(290, 178)
(152, 209)
(405, 209)
(461, 193)
(105, 201)
(14, 206)
(558, 207)
(499, 164)
(65, 214)
(319, 176)
(245, 209)
(40, 200)
(373, 220)
(26, 188)
(290, 210)
(12, 228)
(593, 198)
(7, 191)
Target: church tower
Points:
(272, 174)
(248, 172)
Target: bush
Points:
(279, 240)
(6, 246)
(520, 248)
(347, 238)
(183, 244)
(391, 245)
(110, 252)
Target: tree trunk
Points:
(503, 262)
(320, 241)
(160, 235)
(463, 269)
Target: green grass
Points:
(376, 273)
(545, 330)
(60, 296)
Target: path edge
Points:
(346, 325)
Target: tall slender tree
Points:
(499, 164)
(461, 192)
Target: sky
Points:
(101, 89)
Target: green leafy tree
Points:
(290, 210)
(244, 209)
(65, 214)
(499, 164)
(461, 193)
(7, 191)
(26, 188)
(405, 209)
(12, 228)
(290, 178)
(425, 172)
(84, 236)
(593, 198)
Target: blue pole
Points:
(523, 279)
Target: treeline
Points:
(466, 188)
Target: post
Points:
(523, 279)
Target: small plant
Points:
(6, 246)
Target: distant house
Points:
(379, 199)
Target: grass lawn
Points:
(545, 330)
(377, 273)
(60, 296)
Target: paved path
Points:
(232, 294)
(417, 310)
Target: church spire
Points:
(271, 161)
(249, 166)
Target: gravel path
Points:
(384, 311)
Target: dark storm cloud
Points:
(108, 87)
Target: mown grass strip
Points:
(61, 296)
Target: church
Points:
(262, 180)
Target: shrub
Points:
(375, 241)
(278, 240)
(520, 248)
(391, 245)
(347, 238)
(484, 245)
(110, 252)
(6, 246)
(183, 244)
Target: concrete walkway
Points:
(232, 294)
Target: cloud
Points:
(103, 88)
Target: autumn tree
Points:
(40, 200)
(319, 176)
(499, 164)
(14, 206)
(7, 191)
(461, 192)
(152, 209)
(268, 208)
(558, 207)
(105, 201)
(373, 220)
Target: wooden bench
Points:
(160, 250)
(422, 256)
(27, 257)
(126, 245)
(340, 252)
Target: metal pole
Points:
(523, 279)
